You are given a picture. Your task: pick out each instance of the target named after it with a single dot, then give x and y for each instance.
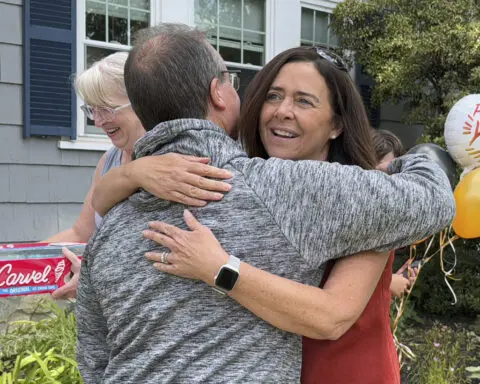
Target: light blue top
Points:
(112, 160)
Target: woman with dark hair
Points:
(303, 105)
(352, 145)
(387, 146)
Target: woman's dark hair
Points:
(353, 146)
(386, 142)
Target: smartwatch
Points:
(227, 275)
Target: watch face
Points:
(226, 279)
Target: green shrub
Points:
(431, 295)
(40, 351)
(442, 354)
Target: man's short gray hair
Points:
(168, 73)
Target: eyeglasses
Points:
(103, 113)
(233, 76)
(332, 58)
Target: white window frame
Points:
(329, 10)
(242, 49)
(89, 141)
(161, 10)
(319, 8)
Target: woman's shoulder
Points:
(111, 159)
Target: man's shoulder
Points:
(114, 220)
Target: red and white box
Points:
(36, 268)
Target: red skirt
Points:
(365, 354)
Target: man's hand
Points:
(69, 290)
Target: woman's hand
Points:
(69, 290)
(195, 254)
(180, 178)
(399, 285)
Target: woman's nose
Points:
(284, 110)
(99, 119)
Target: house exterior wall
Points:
(391, 120)
(42, 187)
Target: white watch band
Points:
(234, 262)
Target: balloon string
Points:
(448, 241)
(445, 240)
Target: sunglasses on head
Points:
(331, 57)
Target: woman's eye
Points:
(305, 101)
(272, 96)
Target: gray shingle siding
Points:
(41, 187)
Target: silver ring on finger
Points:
(164, 258)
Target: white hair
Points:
(103, 81)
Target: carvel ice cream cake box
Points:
(29, 269)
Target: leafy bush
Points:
(411, 49)
(40, 351)
(431, 296)
(442, 355)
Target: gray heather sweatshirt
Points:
(138, 325)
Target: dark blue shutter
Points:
(49, 62)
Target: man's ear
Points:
(217, 94)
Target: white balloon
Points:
(462, 131)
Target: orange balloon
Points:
(467, 197)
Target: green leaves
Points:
(40, 351)
(474, 372)
(422, 52)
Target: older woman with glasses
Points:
(102, 88)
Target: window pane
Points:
(307, 24)
(255, 39)
(118, 2)
(230, 53)
(230, 45)
(140, 4)
(246, 76)
(95, 21)
(321, 27)
(231, 13)
(253, 48)
(117, 24)
(210, 32)
(205, 12)
(228, 28)
(230, 35)
(333, 38)
(94, 54)
(138, 20)
(254, 15)
(253, 57)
